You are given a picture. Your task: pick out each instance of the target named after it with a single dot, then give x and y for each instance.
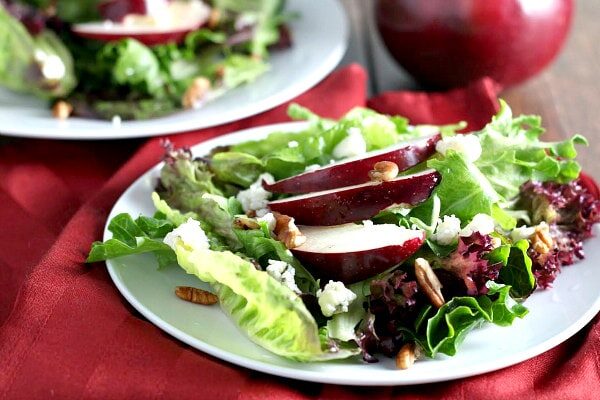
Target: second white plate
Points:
(320, 36)
(554, 315)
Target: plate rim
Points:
(288, 93)
(318, 376)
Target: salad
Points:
(368, 237)
(135, 59)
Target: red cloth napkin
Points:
(66, 332)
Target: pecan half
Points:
(195, 295)
(541, 240)
(287, 232)
(244, 222)
(384, 171)
(429, 282)
(406, 356)
(62, 110)
(214, 18)
(195, 92)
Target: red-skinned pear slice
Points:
(181, 18)
(355, 170)
(116, 10)
(351, 252)
(359, 202)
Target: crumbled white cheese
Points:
(52, 67)
(292, 144)
(335, 298)
(447, 230)
(39, 55)
(255, 198)
(481, 223)
(468, 145)
(522, 232)
(269, 218)
(367, 222)
(352, 145)
(284, 273)
(312, 167)
(116, 121)
(190, 233)
(380, 122)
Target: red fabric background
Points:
(65, 331)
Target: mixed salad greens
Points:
(508, 212)
(41, 54)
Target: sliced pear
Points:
(351, 252)
(358, 202)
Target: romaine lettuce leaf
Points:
(268, 312)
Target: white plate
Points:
(320, 36)
(554, 315)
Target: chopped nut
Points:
(244, 222)
(383, 171)
(496, 242)
(62, 110)
(195, 93)
(220, 71)
(214, 18)
(429, 282)
(406, 356)
(196, 295)
(541, 240)
(287, 232)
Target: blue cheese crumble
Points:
(352, 145)
(190, 233)
(256, 198)
(335, 298)
(468, 145)
(284, 273)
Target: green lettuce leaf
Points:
(269, 313)
(184, 181)
(513, 154)
(240, 69)
(238, 168)
(134, 65)
(143, 235)
(516, 268)
(445, 331)
(463, 191)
